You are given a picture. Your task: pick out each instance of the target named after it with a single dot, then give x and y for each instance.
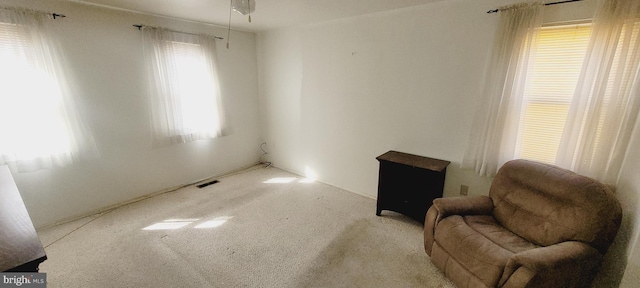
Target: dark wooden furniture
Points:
(408, 183)
(20, 247)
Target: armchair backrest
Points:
(546, 205)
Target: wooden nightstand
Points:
(408, 183)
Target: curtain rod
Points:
(140, 26)
(546, 4)
(53, 15)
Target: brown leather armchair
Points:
(540, 226)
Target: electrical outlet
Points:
(464, 190)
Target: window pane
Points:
(542, 130)
(32, 119)
(195, 88)
(552, 79)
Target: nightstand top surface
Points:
(414, 160)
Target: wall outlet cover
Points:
(464, 190)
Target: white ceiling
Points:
(269, 14)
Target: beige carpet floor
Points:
(259, 228)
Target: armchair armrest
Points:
(443, 207)
(566, 264)
(475, 205)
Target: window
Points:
(195, 87)
(39, 127)
(554, 72)
(552, 78)
(34, 106)
(184, 89)
(565, 95)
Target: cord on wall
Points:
(264, 152)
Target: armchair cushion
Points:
(480, 245)
(546, 205)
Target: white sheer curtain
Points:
(39, 124)
(493, 138)
(184, 91)
(606, 102)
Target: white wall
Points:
(335, 95)
(626, 249)
(105, 53)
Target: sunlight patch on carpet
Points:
(280, 180)
(216, 222)
(170, 224)
(173, 224)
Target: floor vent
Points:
(207, 184)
